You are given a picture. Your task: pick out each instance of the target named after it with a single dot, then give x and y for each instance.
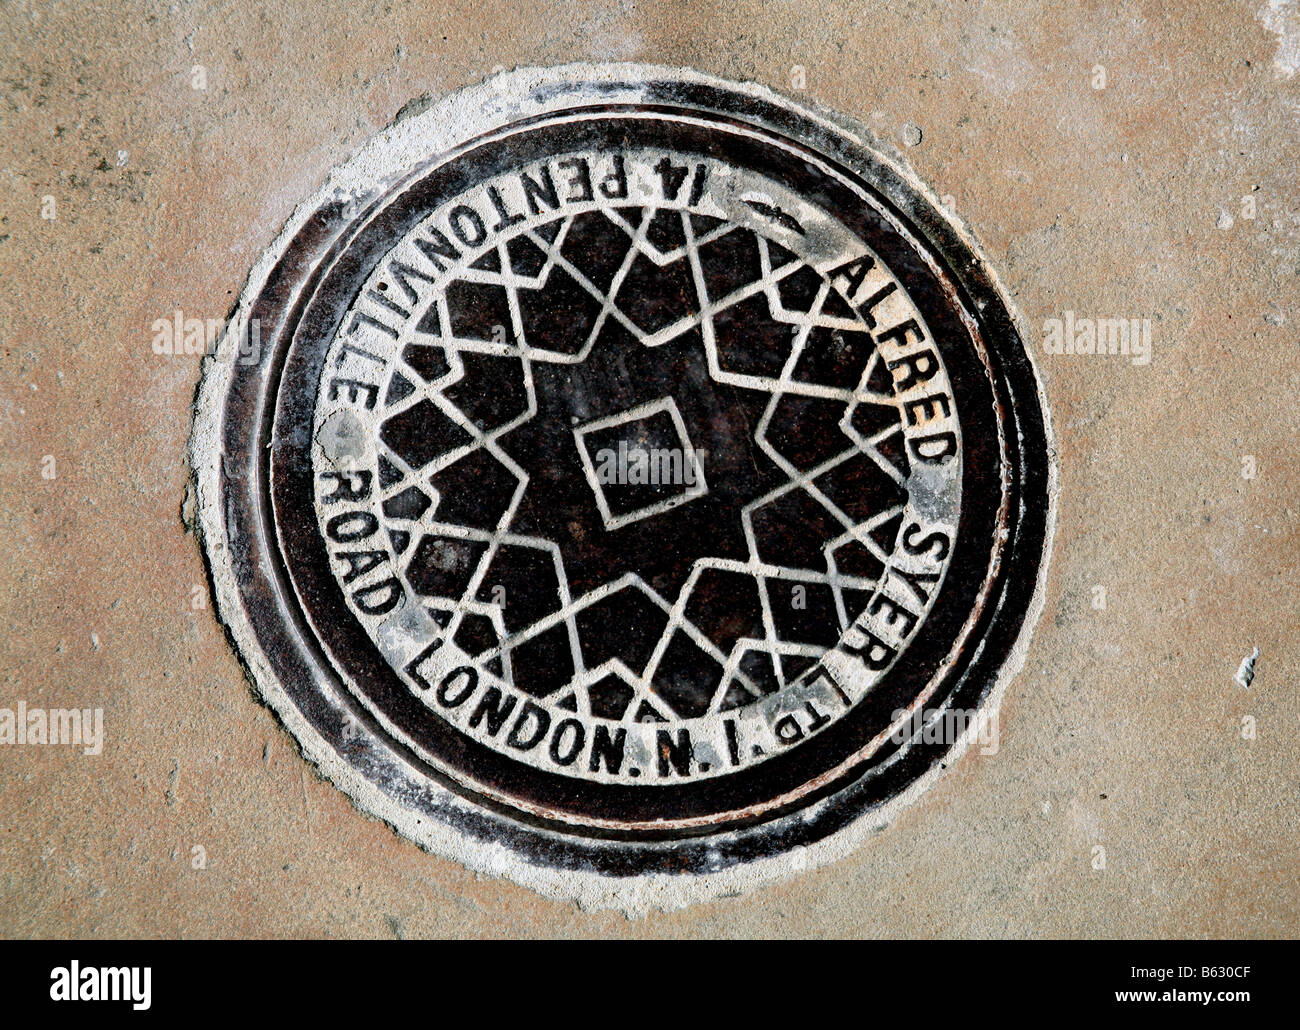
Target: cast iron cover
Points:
(624, 459)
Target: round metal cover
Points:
(604, 470)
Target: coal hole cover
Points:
(627, 482)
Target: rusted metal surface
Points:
(435, 539)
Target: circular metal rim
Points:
(552, 800)
(441, 819)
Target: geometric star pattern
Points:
(702, 608)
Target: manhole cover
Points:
(611, 475)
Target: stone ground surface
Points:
(1125, 728)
